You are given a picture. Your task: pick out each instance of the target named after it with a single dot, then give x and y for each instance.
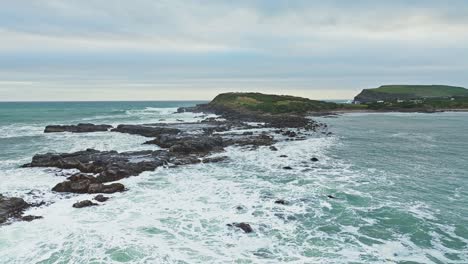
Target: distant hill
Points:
(268, 103)
(407, 92)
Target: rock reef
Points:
(13, 208)
(181, 143)
(80, 128)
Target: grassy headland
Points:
(409, 92)
(275, 104)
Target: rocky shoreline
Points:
(183, 143)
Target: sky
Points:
(183, 50)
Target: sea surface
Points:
(400, 182)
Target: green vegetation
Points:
(428, 104)
(423, 90)
(274, 104)
(390, 93)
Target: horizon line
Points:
(101, 101)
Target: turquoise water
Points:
(401, 183)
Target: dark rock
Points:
(88, 185)
(189, 144)
(283, 156)
(314, 159)
(11, 207)
(215, 159)
(287, 168)
(290, 133)
(273, 148)
(198, 145)
(146, 131)
(331, 196)
(244, 226)
(260, 140)
(29, 218)
(281, 201)
(106, 188)
(80, 128)
(108, 165)
(101, 198)
(84, 203)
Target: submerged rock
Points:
(80, 128)
(281, 201)
(101, 198)
(314, 159)
(287, 168)
(85, 203)
(29, 218)
(244, 226)
(146, 131)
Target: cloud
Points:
(307, 44)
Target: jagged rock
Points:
(290, 133)
(260, 140)
(101, 198)
(87, 185)
(273, 148)
(215, 159)
(244, 226)
(281, 201)
(11, 207)
(84, 203)
(189, 144)
(29, 218)
(80, 128)
(109, 165)
(146, 131)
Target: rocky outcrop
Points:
(108, 165)
(101, 198)
(13, 207)
(181, 143)
(189, 144)
(87, 184)
(85, 203)
(80, 128)
(146, 131)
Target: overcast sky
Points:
(171, 49)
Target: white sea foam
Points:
(181, 214)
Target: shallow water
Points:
(401, 183)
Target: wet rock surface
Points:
(181, 143)
(12, 207)
(101, 198)
(85, 203)
(80, 128)
(108, 165)
(243, 226)
(87, 185)
(146, 131)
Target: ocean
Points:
(400, 183)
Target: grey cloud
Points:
(299, 44)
